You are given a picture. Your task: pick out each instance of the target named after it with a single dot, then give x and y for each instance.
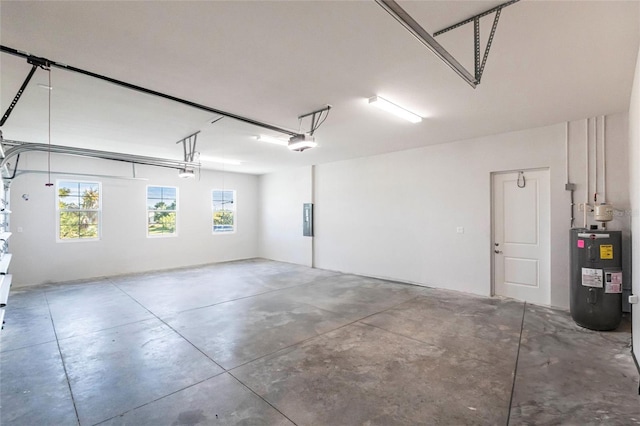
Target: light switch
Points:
(460, 230)
(19, 228)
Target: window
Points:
(162, 207)
(224, 211)
(79, 207)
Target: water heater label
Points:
(606, 251)
(613, 281)
(592, 277)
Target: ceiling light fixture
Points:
(394, 109)
(301, 142)
(271, 139)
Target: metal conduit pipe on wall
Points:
(596, 129)
(595, 160)
(604, 160)
(586, 190)
(568, 185)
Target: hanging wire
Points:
(49, 183)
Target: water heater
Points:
(596, 278)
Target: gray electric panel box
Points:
(307, 220)
(596, 278)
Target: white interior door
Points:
(521, 237)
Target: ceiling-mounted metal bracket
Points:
(189, 146)
(478, 65)
(394, 9)
(36, 63)
(425, 38)
(316, 118)
(16, 98)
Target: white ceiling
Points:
(550, 61)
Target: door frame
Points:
(493, 225)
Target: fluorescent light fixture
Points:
(301, 142)
(220, 160)
(187, 173)
(271, 139)
(394, 109)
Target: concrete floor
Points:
(260, 342)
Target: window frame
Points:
(147, 211)
(59, 211)
(234, 210)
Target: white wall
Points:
(124, 246)
(634, 180)
(281, 198)
(395, 215)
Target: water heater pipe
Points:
(566, 149)
(604, 160)
(595, 160)
(586, 191)
(568, 185)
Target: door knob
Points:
(497, 251)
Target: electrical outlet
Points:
(581, 207)
(19, 228)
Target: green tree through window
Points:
(79, 210)
(224, 210)
(162, 207)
